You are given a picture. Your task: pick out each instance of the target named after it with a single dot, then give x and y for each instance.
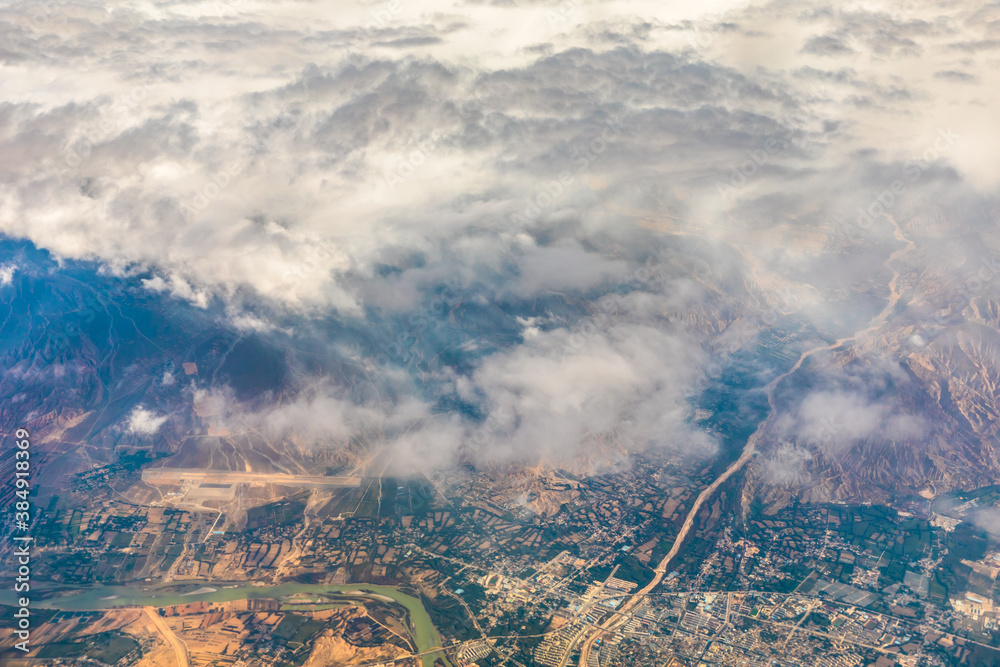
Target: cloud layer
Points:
(484, 192)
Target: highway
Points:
(748, 453)
(661, 569)
(180, 649)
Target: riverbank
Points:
(97, 598)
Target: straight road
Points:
(180, 649)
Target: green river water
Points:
(425, 635)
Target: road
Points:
(180, 649)
(809, 610)
(661, 569)
(748, 452)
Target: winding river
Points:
(92, 598)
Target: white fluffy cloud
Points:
(257, 151)
(832, 420)
(348, 166)
(145, 422)
(621, 385)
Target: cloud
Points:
(475, 195)
(827, 45)
(624, 385)
(788, 465)
(955, 75)
(836, 419)
(7, 273)
(144, 422)
(178, 287)
(987, 518)
(564, 267)
(144, 168)
(324, 416)
(846, 400)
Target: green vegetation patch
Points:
(275, 514)
(107, 647)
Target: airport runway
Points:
(179, 476)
